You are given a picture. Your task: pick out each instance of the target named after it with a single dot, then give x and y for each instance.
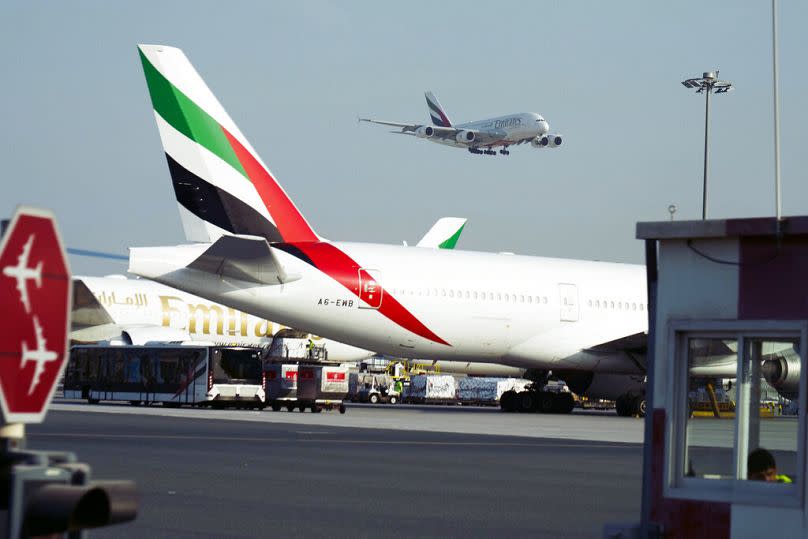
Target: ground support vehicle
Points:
(171, 374)
(551, 397)
(374, 388)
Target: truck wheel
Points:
(301, 407)
(393, 400)
(316, 409)
(276, 406)
(374, 399)
(342, 408)
(290, 407)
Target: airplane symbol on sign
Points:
(40, 355)
(23, 273)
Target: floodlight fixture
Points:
(706, 84)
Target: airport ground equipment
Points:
(374, 388)
(725, 293)
(322, 388)
(432, 389)
(42, 493)
(303, 386)
(172, 374)
(486, 391)
(550, 397)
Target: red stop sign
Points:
(35, 300)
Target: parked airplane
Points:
(583, 320)
(22, 273)
(134, 311)
(481, 136)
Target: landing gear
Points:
(488, 151)
(631, 405)
(532, 400)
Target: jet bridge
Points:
(728, 315)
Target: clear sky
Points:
(79, 134)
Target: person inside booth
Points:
(760, 466)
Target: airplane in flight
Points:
(22, 273)
(481, 136)
(40, 355)
(585, 321)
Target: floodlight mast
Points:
(707, 84)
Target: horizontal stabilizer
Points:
(246, 258)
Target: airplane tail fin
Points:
(439, 117)
(444, 233)
(221, 185)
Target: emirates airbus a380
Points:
(584, 321)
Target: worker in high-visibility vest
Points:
(310, 349)
(760, 466)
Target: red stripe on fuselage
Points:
(290, 223)
(342, 268)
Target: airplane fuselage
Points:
(509, 129)
(528, 312)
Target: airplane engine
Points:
(465, 136)
(540, 142)
(554, 140)
(782, 372)
(425, 131)
(146, 334)
(602, 385)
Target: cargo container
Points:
(432, 388)
(281, 385)
(318, 388)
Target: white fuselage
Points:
(135, 304)
(510, 129)
(522, 311)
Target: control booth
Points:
(725, 442)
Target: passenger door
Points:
(370, 291)
(568, 301)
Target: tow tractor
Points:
(377, 388)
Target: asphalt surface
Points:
(207, 475)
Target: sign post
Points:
(45, 492)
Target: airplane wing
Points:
(405, 127)
(631, 343)
(412, 129)
(246, 258)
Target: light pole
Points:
(707, 84)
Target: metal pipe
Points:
(775, 76)
(708, 90)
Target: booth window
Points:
(738, 388)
